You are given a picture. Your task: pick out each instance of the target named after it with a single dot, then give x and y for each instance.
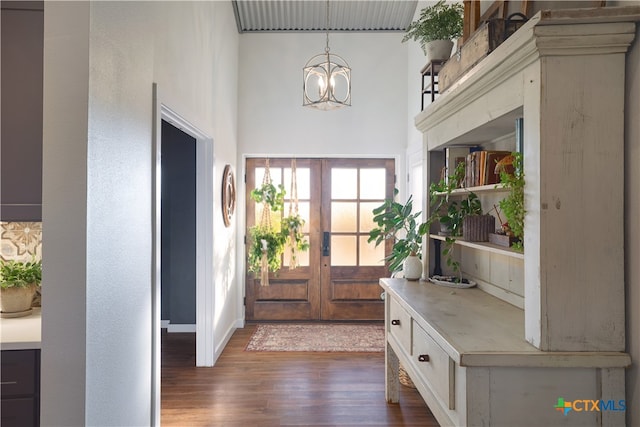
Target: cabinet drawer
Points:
(400, 325)
(435, 365)
(18, 412)
(18, 372)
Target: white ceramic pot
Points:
(412, 268)
(438, 50)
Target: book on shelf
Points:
(453, 157)
(480, 167)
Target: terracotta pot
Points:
(16, 299)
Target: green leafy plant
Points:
(276, 239)
(453, 263)
(272, 195)
(275, 247)
(513, 205)
(292, 228)
(451, 213)
(396, 221)
(20, 274)
(442, 21)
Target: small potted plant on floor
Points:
(18, 283)
(436, 29)
(397, 221)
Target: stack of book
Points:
(479, 164)
(480, 167)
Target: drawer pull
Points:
(8, 382)
(423, 358)
(395, 322)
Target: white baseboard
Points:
(239, 323)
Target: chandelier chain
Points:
(326, 49)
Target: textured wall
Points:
(101, 60)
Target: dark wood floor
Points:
(280, 389)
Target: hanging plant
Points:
(274, 243)
(270, 195)
(292, 232)
(267, 242)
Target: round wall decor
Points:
(228, 195)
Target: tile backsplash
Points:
(20, 241)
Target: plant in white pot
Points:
(18, 283)
(398, 222)
(436, 28)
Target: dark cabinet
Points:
(20, 374)
(22, 39)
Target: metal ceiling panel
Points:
(311, 15)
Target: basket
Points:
(403, 376)
(476, 228)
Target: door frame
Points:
(205, 295)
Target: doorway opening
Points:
(204, 243)
(337, 279)
(178, 230)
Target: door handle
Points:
(325, 243)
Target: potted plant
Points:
(444, 210)
(398, 222)
(292, 232)
(451, 215)
(436, 28)
(18, 283)
(267, 242)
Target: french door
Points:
(337, 278)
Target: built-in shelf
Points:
(478, 189)
(485, 246)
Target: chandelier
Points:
(326, 83)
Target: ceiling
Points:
(311, 15)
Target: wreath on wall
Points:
(228, 195)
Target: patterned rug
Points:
(318, 337)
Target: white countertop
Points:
(21, 333)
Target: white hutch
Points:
(541, 340)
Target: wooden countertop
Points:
(478, 329)
(21, 333)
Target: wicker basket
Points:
(476, 228)
(404, 378)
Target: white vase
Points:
(438, 50)
(412, 268)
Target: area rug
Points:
(318, 337)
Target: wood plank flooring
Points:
(263, 389)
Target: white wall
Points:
(101, 60)
(273, 120)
